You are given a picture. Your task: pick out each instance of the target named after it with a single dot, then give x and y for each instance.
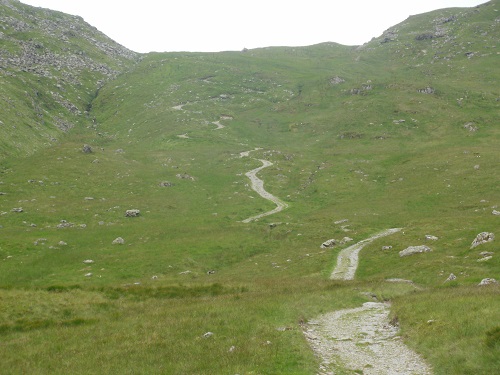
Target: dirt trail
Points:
(361, 339)
(347, 260)
(258, 186)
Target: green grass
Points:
(336, 155)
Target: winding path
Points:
(258, 186)
(347, 260)
(361, 339)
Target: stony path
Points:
(361, 340)
(258, 186)
(347, 260)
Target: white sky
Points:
(221, 25)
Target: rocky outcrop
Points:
(482, 238)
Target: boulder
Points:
(496, 213)
(118, 241)
(431, 237)
(345, 240)
(386, 247)
(414, 250)
(482, 238)
(488, 281)
(329, 243)
(166, 184)
(427, 90)
(132, 213)
(87, 149)
(451, 277)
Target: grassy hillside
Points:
(400, 132)
(52, 65)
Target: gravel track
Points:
(361, 340)
(258, 186)
(347, 260)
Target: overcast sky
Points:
(221, 25)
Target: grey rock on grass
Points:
(411, 250)
(482, 238)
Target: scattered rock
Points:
(431, 237)
(486, 253)
(336, 80)
(482, 238)
(87, 149)
(119, 151)
(345, 240)
(232, 349)
(414, 250)
(184, 272)
(184, 176)
(154, 277)
(470, 126)
(328, 244)
(166, 184)
(64, 224)
(62, 243)
(451, 278)
(424, 36)
(40, 241)
(17, 209)
(132, 213)
(210, 272)
(476, 167)
(427, 90)
(485, 259)
(496, 213)
(118, 241)
(341, 221)
(386, 247)
(208, 334)
(88, 274)
(488, 281)
(88, 261)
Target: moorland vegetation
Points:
(401, 132)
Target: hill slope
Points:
(52, 65)
(401, 132)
